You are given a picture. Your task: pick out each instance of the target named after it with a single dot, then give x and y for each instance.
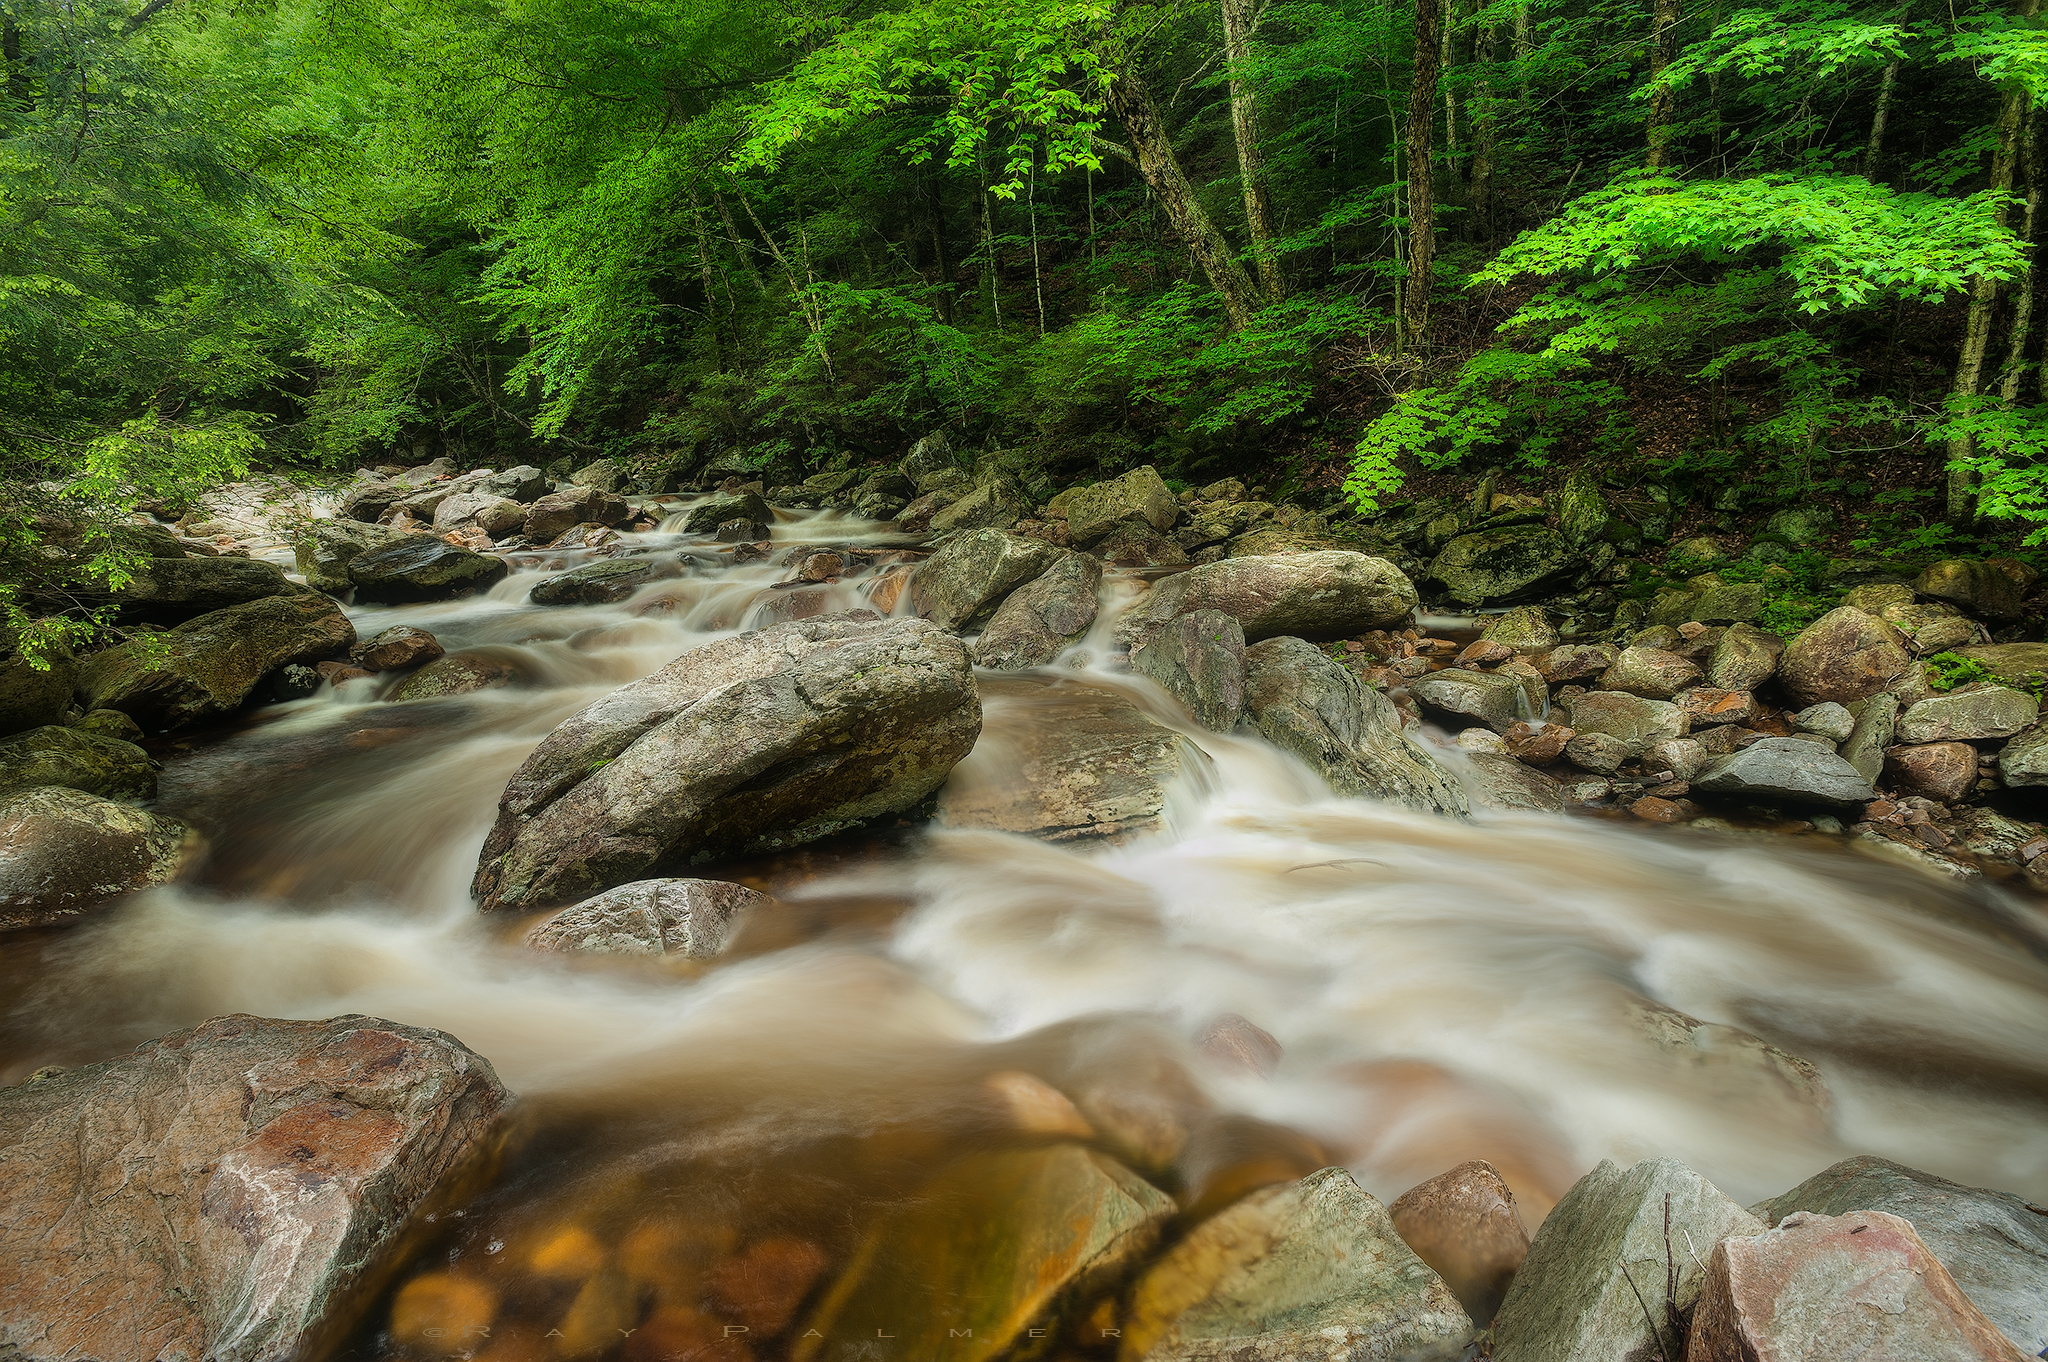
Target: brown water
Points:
(705, 1145)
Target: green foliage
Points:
(1946, 671)
(2007, 459)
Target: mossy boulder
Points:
(32, 696)
(1503, 564)
(422, 568)
(325, 551)
(76, 759)
(173, 590)
(64, 852)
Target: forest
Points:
(1756, 256)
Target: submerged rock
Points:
(609, 579)
(395, 649)
(472, 669)
(1310, 1269)
(422, 568)
(691, 918)
(1331, 594)
(1045, 615)
(770, 739)
(227, 1192)
(1306, 704)
(1199, 659)
(64, 852)
(76, 759)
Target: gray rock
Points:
(496, 516)
(706, 516)
(606, 475)
(77, 759)
(1136, 546)
(1498, 781)
(1828, 719)
(1526, 628)
(1576, 1297)
(1503, 564)
(694, 919)
(1994, 1244)
(1138, 497)
(366, 501)
(326, 549)
(930, 465)
(1041, 617)
(1495, 699)
(1744, 658)
(1682, 757)
(1786, 769)
(248, 1185)
(1331, 594)
(1635, 721)
(2017, 664)
(2024, 760)
(1652, 673)
(1600, 753)
(422, 568)
(472, 669)
(1849, 655)
(521, 483)
(64, 852)
(1304, 703)
(969, 577)
(609, 579)
(1865, 746)
(552, 516)
(767, 740)
(1966, 716)
(996, 504)
(1199, 659)
(1730, 1065)
(32, 696)
(1979, 588)
(173, 590)
(1306, 1269)
(1583, 513)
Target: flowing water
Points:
(704, 1144)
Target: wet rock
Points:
(1706, 706)
(1601, 753)
(1682, 757)
(422, 568)
(395, 649)
(1502, 782)
(552, 516)
(32, 696)
(1464, 1225)
(1710, 600)
(916, 517)
(986, 1250)
(326, 549)
(244, 1183)
(365, 501)
(1494, 699)
(208, 666)
(606, 475)
(522, 483)
(1236, 1044)
(1859, 1285)
(64, 852)
(1733, 1066)
(1969, 715)
(496, 516)
(996, 504)
(1304, 703)
(1309, 1269)
(1744, 658)
(1138, 497)
(1848, 655)
(1040, 618)
(609, 579)
(1865, 746)
(970, 576)
(706, 517)
(1526, 629)
(1574, 1301)
(737, 532)
(2024, 760)
(770, 739)
(1576, 662)
(1582, 512)
(173, 590)
(1635, 721)
(1333, 594)
(1994, 1244)
(1651, 673)
(1938, 770)
(1091, 765)
(334, 673)
(1829, 720)
(2018, 664)
(691, 918)
(1502, 564)
(460, 673)
(931, 465)
(1786, 769)
(109, 723)
(1134, 546)
(1539, 745)
(1199, 659)
(78, 760)
(1978, 587)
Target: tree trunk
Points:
(1421, 187)
(2012, 117)
(1238, 24)
(1482, 139)
(1663, 102)
(942, 268)
(1877, 120)
(2014, 369)
(1525, 48)
(741, 247)
(1163, 175)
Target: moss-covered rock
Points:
(64, 852)
(422, 568)
(1503, 564)
(32, 696)
(76, 759)
(460, 673)
(172, 590)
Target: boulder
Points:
(31, 696)
(1828, 719)
(1333, 594)
(2024, 760)
(986, 1250)
(208, 666)
(1848, 655)
(694, 919)
(996, 504)
(422, 568)
(1495, 699)
(1575, 661)
(1744, 658)
(1682, 757)
(64, 852)
(173, 590)
(1198, 659)
(1969, 715)
(767, 740)
(461, 673)
(77, 760)
(608, 579)
(552, 516)
(395, 649)
(1042, 617)
(1651, 673)
(1600, 1260)
(1464, 1225)
(930, 465)
(496, 516)
(1089, 764)
(968, 578)
(326, 549)
(1496, 781)
(1861, 1285)
(1135, 546)
(606, 475)
(1979, 588)
(1601, 753)
(366, 501)
(1937, 770)
(1785, 769)
(1503, 564)
(1707, 706)
(1867, 742)
(233, 1192)
(1637, 723)
(521, 483)
(2016, 664)
(109, 723)
(1710, 600)
(1313, 1268)
(1582, 510)
(1526, 629)
(1304, 703)
(1994, 1244)
(1138, 497)
(728, 532)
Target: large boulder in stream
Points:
(1041, 617)
(608, 579)
(1308, 705)
(970, 576)
(64, 852)
(1199, 659)
(1331, 594)
(208, 666)
(1138, 497)
(76, 759)
(694, 919)
(1506, 564)
(327, 547)
(173, 590)
(767, 740)
(422, 568)
(233, 1193)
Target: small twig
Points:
(1690, 1249)
(1656, 1334)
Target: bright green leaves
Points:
(1816, 39)
(2006, 49)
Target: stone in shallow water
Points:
(1493, 698)
(610, 579)
(77, 759)
(971, 575)
(691, 918)
(1791, 770)
(1041, 617)
(64, 852)
(1310, 1269)
(1463, 1223)
(1199, 659)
